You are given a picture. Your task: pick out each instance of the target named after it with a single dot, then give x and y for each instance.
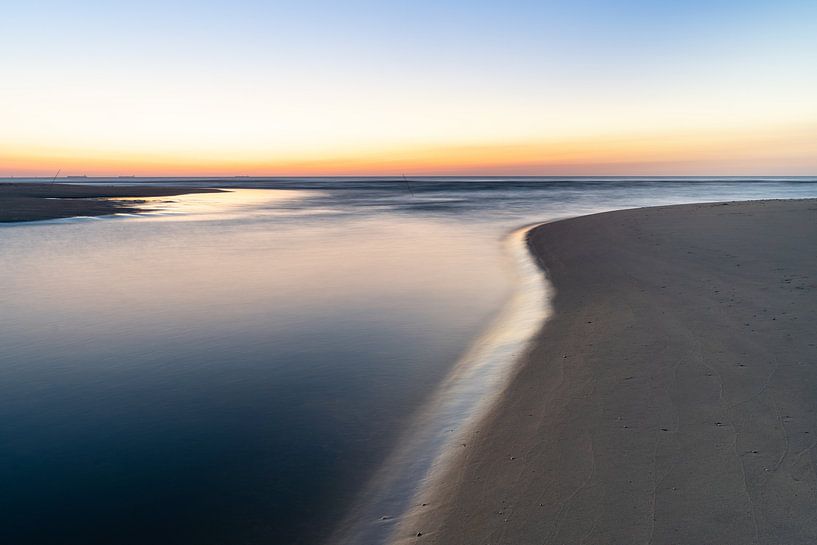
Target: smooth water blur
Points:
(234, 367)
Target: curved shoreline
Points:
(424, 452)
(668, 399)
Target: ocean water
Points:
(276, 364)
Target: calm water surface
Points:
(235, 368)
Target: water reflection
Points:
(228, 204)
(234, 367)
(473, 384)
(213, 381)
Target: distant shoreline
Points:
(670, 397)
(22, 202)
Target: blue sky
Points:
(277, 86)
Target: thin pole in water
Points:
(408, 185)
(54, 179)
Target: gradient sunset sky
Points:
(416, 87)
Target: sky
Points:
(421, 87)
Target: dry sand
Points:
(41, 201)
(671, 398)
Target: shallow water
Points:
(237, 368)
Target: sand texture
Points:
(670, 399)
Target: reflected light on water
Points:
(429, 444)
(213, 381)
(229, 203)
(235, 367)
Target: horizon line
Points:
(395, 176)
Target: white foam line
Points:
(471, 388)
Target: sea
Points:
(285, 362)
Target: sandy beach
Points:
(670, 399)
(43, 201)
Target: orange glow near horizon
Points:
(421, 88)
(781, 150)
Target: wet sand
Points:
(670, 399)
(42, 201)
